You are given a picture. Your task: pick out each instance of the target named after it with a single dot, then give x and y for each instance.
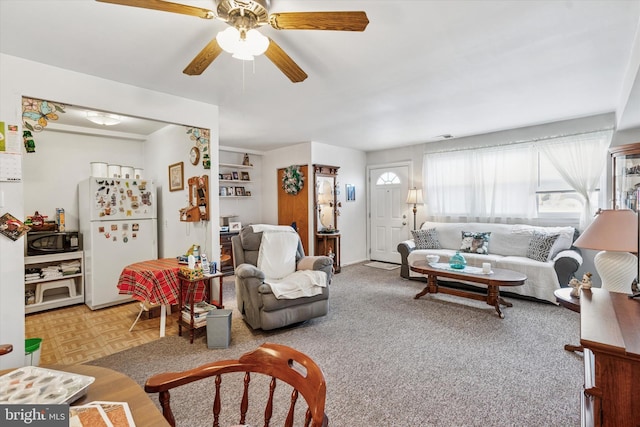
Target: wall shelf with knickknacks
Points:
(235, 180)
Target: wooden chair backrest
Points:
(277, 361)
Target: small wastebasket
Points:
(32, 351)
(219, 328)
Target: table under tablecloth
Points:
(154, 282)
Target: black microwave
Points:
(51, 242)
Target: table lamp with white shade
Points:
(615, 233)
(414, 198)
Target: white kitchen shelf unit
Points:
(56, 297)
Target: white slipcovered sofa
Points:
(548, 262)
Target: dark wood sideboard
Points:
(610, 335)
(226, 267)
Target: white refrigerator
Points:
(118, 223)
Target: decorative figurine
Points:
(586, 281)
(575, 285)
(246, 161)
(29, 143)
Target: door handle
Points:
(404, 216)
(404, 222)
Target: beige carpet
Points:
(392, 360)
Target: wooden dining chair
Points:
(279, 362)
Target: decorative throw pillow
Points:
(540, 246)
(477, 243)
(426, 239)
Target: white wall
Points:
(62, 159)
(165, 147)
(352, 219)
(25, 78)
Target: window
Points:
(554, 197)
(557, 177)
(388, 178)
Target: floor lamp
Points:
(414, 197)
(615, 233)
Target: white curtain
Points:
(580, 160)
(485, 185)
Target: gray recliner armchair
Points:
(256, 301)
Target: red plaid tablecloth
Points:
(155, 281)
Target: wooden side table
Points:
(327, 244)
(191, 286)
(564, 298)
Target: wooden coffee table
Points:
(498, 277)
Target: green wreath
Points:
(292, 180)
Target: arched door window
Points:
(388, 178)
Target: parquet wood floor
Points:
(76, 334)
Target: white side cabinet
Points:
(56, 290)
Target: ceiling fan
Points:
(242, 39)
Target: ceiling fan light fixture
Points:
(257, 43)
(104, 119)
(228, 39)
(242, 45)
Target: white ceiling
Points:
(420, 69)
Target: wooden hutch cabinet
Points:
(610, 336)
(626, 176)
(326, 205)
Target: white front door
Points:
(390, 222)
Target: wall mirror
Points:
(325, 200)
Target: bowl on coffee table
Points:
(432, 259)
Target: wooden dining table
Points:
(113, 386)
(157, 282)
(154, 282)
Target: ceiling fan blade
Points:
(284, 62)
(165, 6)
(337, 21)
(203, 59)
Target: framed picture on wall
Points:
(176, 177)
(239, 191)
(351, 193)
(245, 176)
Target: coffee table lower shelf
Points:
(498, 277)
